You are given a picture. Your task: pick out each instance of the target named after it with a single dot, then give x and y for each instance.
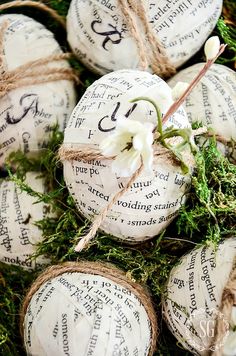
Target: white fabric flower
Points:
(131, 144)
(163, 98)
(212, 47)
(179, 89)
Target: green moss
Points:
(211, 207)
(226, 28)
(61, 6)
(208, 216)
(13, 282)
(228, 35)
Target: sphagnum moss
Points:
(210, 214)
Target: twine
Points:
(37, 5)
(33, 72)
(101, 269)
(228, 300)
(87, 154)
(150, 50)
(92, 154)
(100, 217)
(192, 85)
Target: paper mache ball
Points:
(194, 294)
(99, 35)
(154, 198)
(28, 113)
(212, 101)
(88, 309)
(18, 214)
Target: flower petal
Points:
(138, 141)
(130, 141)
(114, 144)
(147, 157)
(134, 161)
(212, 47)
(131, 126)
(126, 163)
(110, 146)
(164, 99)
(179, 90)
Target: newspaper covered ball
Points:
(154, 198)
(18, 214)
(212, 101)
(99, 35)
(28, 113)
(194, 292)
(85, 313)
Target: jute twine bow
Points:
(150, 49)
(32, 72)
(101, 269)
(228, 300)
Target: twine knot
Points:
(150, 49)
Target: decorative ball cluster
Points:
(90, 308)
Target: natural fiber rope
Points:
(227, 301)
(37, 5)
(88, 154)
(33, 72)
(101, 216)
(101, 269)
(150, 50)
